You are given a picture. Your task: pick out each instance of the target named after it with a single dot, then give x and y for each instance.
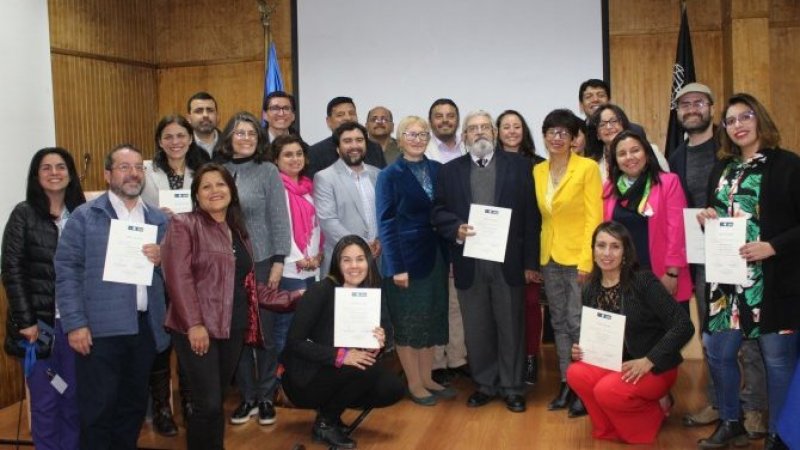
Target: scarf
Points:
(634, 197)
(301, 210)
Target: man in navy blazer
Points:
(491, 294)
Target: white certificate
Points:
(490, 225)
(724, 237)
(602, 338)
(357, 312)
(695, 241)
(125, 262)
(178, 200)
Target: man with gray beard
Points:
(491, 294)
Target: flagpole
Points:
(266, 11)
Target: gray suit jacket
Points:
(339, 207)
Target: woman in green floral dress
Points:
(757, 180)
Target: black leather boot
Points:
(576, 408)
(774, 442)
(727, 432)
(163, 422)
(531, 370)
(328, 431)
(563, 399)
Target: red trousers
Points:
(533, 318)
(619, 410)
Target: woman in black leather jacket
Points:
(29, 244)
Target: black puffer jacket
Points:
(29, 244)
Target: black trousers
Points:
(112, 388)
(208, 377)
(333, 390)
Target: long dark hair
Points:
(598, 145)
(373, 279)
(234, 217)
(35, 195)
(630, 263)
(194, 156)
(280, 142)
(768, 134)
(526, 147)
(224, 147)
(651, 170)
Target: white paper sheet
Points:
(602, 338)
(125, 262)
(177, 200)
(695, 240)
(357, 312)
(724, 237)
(490, 225)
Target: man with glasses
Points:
(491, 293)
(279, 114)
(592, 94)
(380, 126)
(116, 328)
(322, 154)
(202, 115)
(692, 161)
(444, 145)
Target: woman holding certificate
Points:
(649, 203)
(330, 379)
(760, 182)
(568, 192)
(413, 261)
(29, 245)
(632, 405)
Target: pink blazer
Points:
(667, 242)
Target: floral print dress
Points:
(738, 306)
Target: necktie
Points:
(482, 162)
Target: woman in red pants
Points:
(630, 405)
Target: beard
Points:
(129, 188)
(480, 148)
(353, 160)
(702, 125)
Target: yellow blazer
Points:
(577, 209)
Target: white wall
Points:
(505, 54)
(27, 119)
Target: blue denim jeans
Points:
(282, 321)
(780, 357)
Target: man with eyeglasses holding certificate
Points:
(113, 312)
(491, 293)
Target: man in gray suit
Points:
(344, 193)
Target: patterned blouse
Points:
(738, 307)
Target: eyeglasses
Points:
(484, 127)
(608, 123)
(558, 133)
(697, 104)
(743, 118)
(379, 119)
(280, 109)
(245, 134)
(176, 137)
(423, 136)
(127, 168)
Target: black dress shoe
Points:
(462, 370)
(478, 399)
(531, 370)
(774, 442)
(727, 432)
(163, 422)
(442, 376)
(515, 403)
(576, 408)
(330, 433)
(563, 399)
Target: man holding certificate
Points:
(627, 405)
(111, 299)
(491, 288)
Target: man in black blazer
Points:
(491, 294)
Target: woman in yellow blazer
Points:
(569, 196)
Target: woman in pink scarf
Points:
(301, 266)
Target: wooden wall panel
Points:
(111, 28)
(99, 105)
(236, 87)
(785, 81)
(11, 385)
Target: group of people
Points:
(598, 223)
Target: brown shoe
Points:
(756, 424)
(705, 416)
